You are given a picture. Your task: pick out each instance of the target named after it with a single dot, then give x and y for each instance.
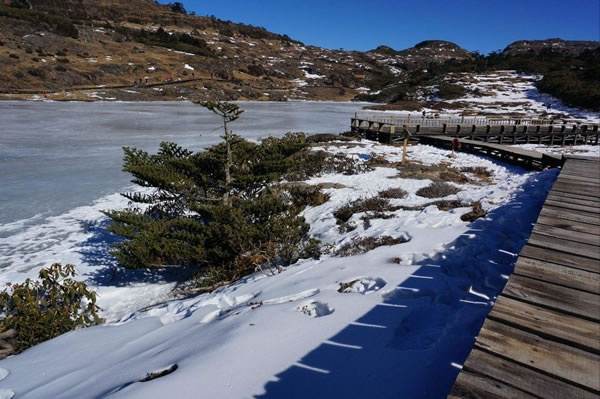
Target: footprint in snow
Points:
(362, 285)
(315, 309)
(3, 373)
(6, 394)
(422, 329)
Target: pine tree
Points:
(217, 210)
(229, 112)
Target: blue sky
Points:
(475, 25)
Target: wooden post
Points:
(406, 134)
(584, 134)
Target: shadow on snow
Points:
(414, 342)
(96, 252)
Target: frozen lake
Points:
(55, 156)
(60, 165)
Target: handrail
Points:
(438, 121)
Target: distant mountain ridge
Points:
(567, 47)
(142, 50)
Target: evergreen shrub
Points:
(222, 212)
(48, 307)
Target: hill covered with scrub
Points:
(141, 50)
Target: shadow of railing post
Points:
(413, 343)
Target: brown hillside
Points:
(141, 50)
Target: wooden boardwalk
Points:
(542, 337)
(510, 154)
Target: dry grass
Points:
(437, 190)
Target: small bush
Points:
(304, 195)
(475, 214)
(312, 249)
(316, 163)
(36, 72)
(374, 204)
(43, 309)
(478, 171)
(446, 205)
(393, 193)
(449, 91)
(361, 245)
(454, 176)
(437, 190)
(379, 160)
(255, 70)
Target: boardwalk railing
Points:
(387, 129)
(438, 121)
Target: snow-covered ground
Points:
(401, 329)
(506, 93)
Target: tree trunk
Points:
(228, 163)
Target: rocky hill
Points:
(557, 46)
(141, 50)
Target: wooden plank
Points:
(558, 244)
(544, 220)
(581, 158)
(589, 235)
(472, 386)
(559, 257)
(579, 175)
(552, 296)
(576, 188)
(521, 379)
(552, 325)
(561, 361)
(581, 200)
(589, 167)
(567, 195)
(583, 175)
(566, 205)
(554, 273)
(589, 170)
(570, 189)
(565, 214)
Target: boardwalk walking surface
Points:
(542, 337)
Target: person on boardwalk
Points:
(455, 145)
